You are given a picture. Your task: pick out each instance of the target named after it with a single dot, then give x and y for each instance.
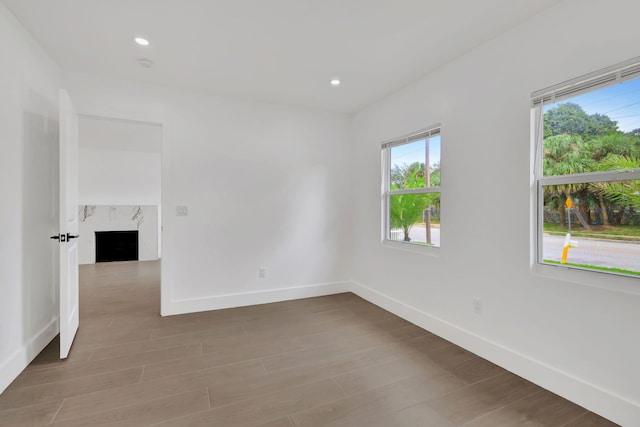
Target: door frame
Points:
(155, 118)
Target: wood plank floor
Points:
(327, 361)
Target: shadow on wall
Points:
(39, 216)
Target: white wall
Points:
(119, 162)
(119, 218)
(118, 177)
(29, 83)
(578, 340)
(265, 186)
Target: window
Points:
(587, 171)
(411, 188)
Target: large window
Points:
(411, 188)
(587, 172)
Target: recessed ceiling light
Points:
(335, 82)
(141, 41)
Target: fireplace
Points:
(116, 246)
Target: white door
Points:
(69, 301)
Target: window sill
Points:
(433, 251)
(596, 279)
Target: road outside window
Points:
(588, 174)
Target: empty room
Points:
(296, 213)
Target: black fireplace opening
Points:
(116, 246)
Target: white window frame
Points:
(426, 133)
(588, 83)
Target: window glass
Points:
(577, 236)
(412, 192)
(409, 216)
(590, 197)
(408, 160)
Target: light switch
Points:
(182, 211)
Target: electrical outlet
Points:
(262, 272)
(477, 306)
(182, 211)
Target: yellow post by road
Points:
(568, 243)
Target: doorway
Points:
(119, 196)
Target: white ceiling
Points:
(283, 51)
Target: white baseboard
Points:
(590, 396)
(15, 364)
(252, 298)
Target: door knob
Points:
(64, 237)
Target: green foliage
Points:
(621, 192)
(576, 142)
(623, 144)
(571, 119)
(435, 175)
(618, 162)
(407, 176)
(405, 210)
(600, 124)
(565, 154)
(412, 176)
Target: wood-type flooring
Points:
(328, 361)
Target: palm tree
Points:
(626, 193)
(613, 151)
(405, 210)
(564, 155)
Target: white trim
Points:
(386, 184)
(608, 404)
(614, 282)
(154, 117)
(537, 130)
(412, 247)
(218, 302)
(421, 190)
(425, 133)
(167, 206)
(617, 73)
(581, 178)
(20, 359)
(539, 216)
